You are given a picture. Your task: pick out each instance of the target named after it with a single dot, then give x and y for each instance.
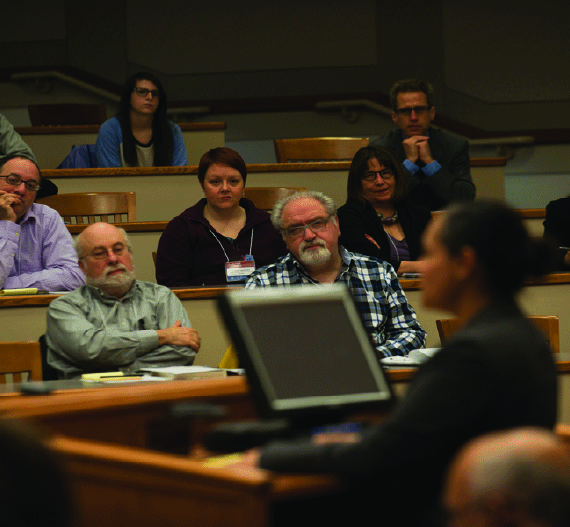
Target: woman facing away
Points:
(140, 135)
(497, 372)
(223, 237)
(377, 219)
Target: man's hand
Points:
(417, 147)
(176, 335)
(6, 210)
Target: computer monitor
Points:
(305, 350)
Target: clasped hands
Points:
(417, 147)
(176, 335)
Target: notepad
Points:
(186, 372)
(23, 291)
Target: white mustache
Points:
(314, 242)
(112, 268)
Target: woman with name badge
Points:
(223, 238)
(377, 219)
(141, 135)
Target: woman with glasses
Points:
(140, 135)
(377, 219)
(224, 237)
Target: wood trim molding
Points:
(94, 128)
(321, 166)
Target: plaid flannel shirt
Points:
(391, 322)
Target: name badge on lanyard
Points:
(240, 270)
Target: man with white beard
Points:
(115, 322)
(309, 225)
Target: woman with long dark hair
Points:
(377, 219)
(141, 134)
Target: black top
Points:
(496, 373)
(557, 227)
(357, 219)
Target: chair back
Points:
(19, 362)
(549, 325)
(90, 207)
(265, 197)
(67, 114)
(318, 149)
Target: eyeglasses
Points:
(143, 92)
(100, 253)
(371, 175)
(15, 181)
(419, 110)
(314, 226)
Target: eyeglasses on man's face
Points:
(318, 225)
(407, 112)
(15, 181)
(143, 92)
(370, 175)
(100, 253)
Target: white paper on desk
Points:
(186, 372)
(414, 358)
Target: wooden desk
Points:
(52, 144)
(119, 481)
(164, 192)
(24, 317)
(127, 414)
(124, 487)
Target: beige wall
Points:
(51, 149)
(162, 196)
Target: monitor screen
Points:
(304, 349)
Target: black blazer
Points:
(557, 228)
(496, 373)
(452, 183)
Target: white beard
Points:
(114, 285)
(314, 257)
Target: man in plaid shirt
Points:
(310, 228)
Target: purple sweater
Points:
(189, 251)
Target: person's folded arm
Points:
(61, 270)
(8, 248)
(453, 183)
(92, 346)
(401, 330)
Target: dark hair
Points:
(504, 250)
(7, 158)
(34, 488)
(221, 156)
(410, 86)
(162, 138)
(359, 166)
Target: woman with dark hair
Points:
(496, 372)
(141, 135)
(377, 219)
(557, 230)
(224, 237)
